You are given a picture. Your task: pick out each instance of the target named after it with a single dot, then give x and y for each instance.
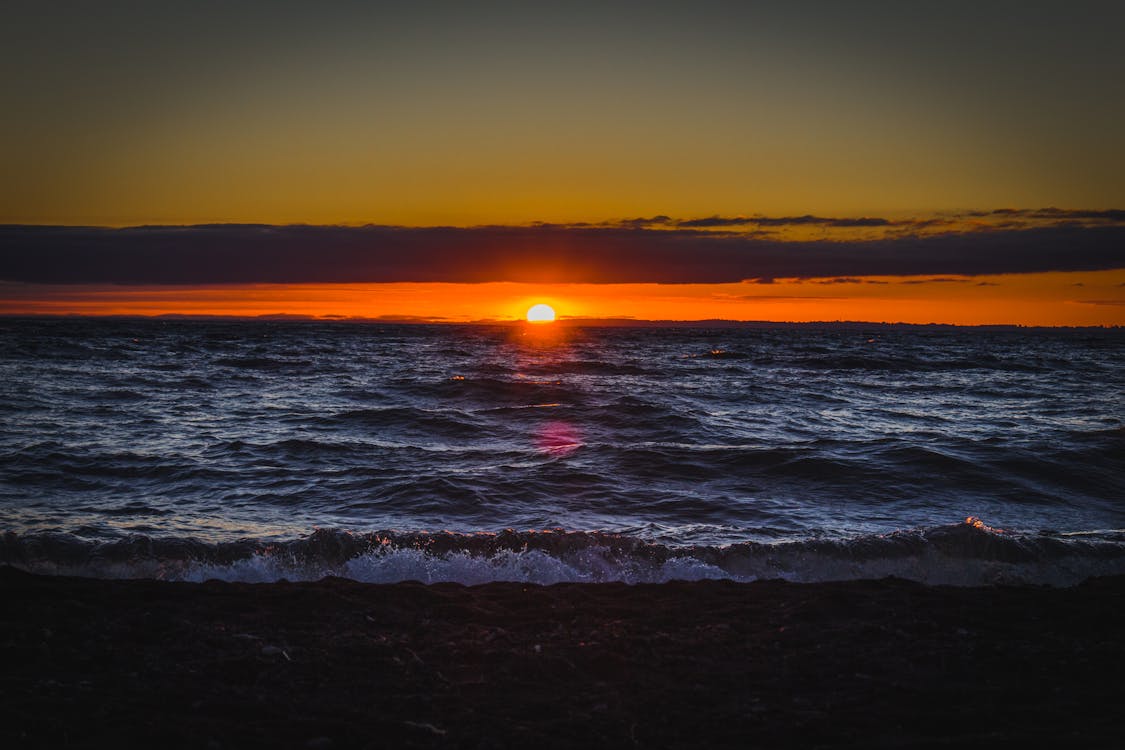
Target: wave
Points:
(902, 364)
(964, 554)
(587, 367)
(449, 423)
(490, 391)
(274, 364)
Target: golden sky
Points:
(496, 112)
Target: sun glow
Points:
(541, 314)
(1086, 298)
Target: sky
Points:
(952, 162)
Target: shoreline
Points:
(337, 663)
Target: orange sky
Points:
(1091, 298)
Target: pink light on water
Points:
(558, 438)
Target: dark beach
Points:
(768, 664)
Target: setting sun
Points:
(541, 314)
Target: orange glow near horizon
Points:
(1047, 299)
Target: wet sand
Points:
(338, 664)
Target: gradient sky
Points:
(468, 114)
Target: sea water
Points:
(260, 450)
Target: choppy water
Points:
(259, 450)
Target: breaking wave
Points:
(963, 554)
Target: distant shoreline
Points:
(563, 322)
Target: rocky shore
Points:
(340, 664)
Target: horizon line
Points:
(565, 322)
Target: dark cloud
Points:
(714, 221)
(943, 280)
(923, 223)
(239, 253)
(659, 220)
(862, 221)
(1112, 214)
(780, 221)
(1055, 214)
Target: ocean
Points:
(264, 450)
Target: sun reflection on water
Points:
(558, 439)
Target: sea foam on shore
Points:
(964, 554)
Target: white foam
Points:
(960, 554)
(398, 565)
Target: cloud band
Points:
(240, 254)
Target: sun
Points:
(541, 314)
